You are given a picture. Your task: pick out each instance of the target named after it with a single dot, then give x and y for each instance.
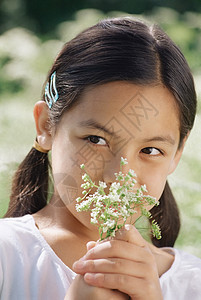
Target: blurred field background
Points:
(32, 33)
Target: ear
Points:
(41, 117)
(177, 157)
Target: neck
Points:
(57, 215)
(65, 235)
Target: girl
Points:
(119, 89)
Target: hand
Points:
(80, 290)
(124, 263)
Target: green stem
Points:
(137, 219)
(86, 194)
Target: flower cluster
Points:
(110, 211)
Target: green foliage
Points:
(185, 31)
(7, 84)
(13, 86)
(43, 16)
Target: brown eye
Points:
(97, 140)
(151, 151)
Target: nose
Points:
(113, 166)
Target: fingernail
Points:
(82, 258)
(90, 245)
(89, 276)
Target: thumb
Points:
(90, 245)
(131, 235)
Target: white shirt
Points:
(183, 280)
(30, 269)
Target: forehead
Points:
(133, 107)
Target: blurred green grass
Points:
(24, 62)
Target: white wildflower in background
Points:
(110, 211)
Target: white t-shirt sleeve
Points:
(183, 280)
(29, 268)
(1, 278)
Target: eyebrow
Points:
(91, 123)
(95, 125)
(165, 139)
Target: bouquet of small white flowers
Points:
(110, 211)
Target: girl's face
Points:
(114, 120)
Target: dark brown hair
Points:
(114, 49)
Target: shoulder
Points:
(14, 232)
(15, 243)
(183, 278)
(188, 258)
(26, 260)
(183, 259)
(9, 226)
(187, 262)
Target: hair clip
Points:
(51, 94)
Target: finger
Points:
(118, 249)
(90, 245)
(79, 289)
(137, 288)
(115, 266)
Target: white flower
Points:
(132, 173)
(86, 185)
(112, 234)
(112, 212)
(114, 198)
(95, 211)
(123, 161)
(85, 177)
(119, 176)
(124, 212)
(78, 199)
(132, 211)
(84, 205)
(94, 221)
(115, 186)
(102, 185)
(119, 204)
(99, 203)
(143, 188)
(108, 225)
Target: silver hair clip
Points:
(51, 94)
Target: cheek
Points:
(155, 185)
(67, 178)
(83, 217)
(66, 187)
(67, 173)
